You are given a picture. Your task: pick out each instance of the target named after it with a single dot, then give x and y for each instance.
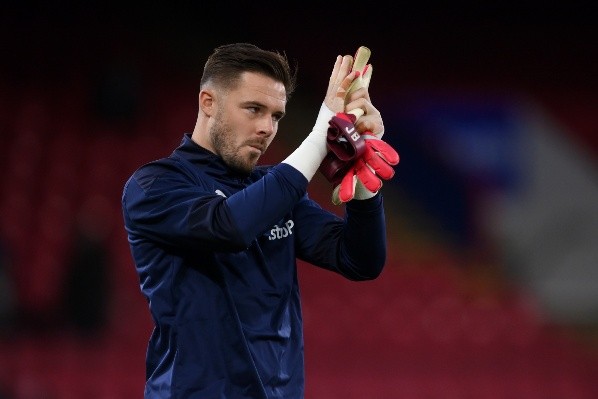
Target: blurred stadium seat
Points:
(425, 329)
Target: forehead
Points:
(254, 86)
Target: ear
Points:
(206, 102)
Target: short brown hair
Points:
(225, 65)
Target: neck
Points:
(200, 133)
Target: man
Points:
(215, 238)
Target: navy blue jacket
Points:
(216, 257)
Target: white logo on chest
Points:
(278, 232)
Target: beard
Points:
(223, 141)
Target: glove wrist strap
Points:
(345, 145)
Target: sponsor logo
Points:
(220, 193)
(279, 232)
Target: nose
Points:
(267, 126)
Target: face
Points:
(245, 121)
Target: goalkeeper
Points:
(215, 238)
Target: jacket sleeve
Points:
(353, 246)
(163, 204)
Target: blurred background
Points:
(491, 285)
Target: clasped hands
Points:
(358, 159)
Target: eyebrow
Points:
(279, 114)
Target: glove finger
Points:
(356, 84)
(367, 176)
(360, 63)
(378, 164)
(361, 58)
(347, 186)
(389, 154)
(367, 75)
(335, 196)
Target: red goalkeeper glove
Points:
(368, 171)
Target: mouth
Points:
(258, 146)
